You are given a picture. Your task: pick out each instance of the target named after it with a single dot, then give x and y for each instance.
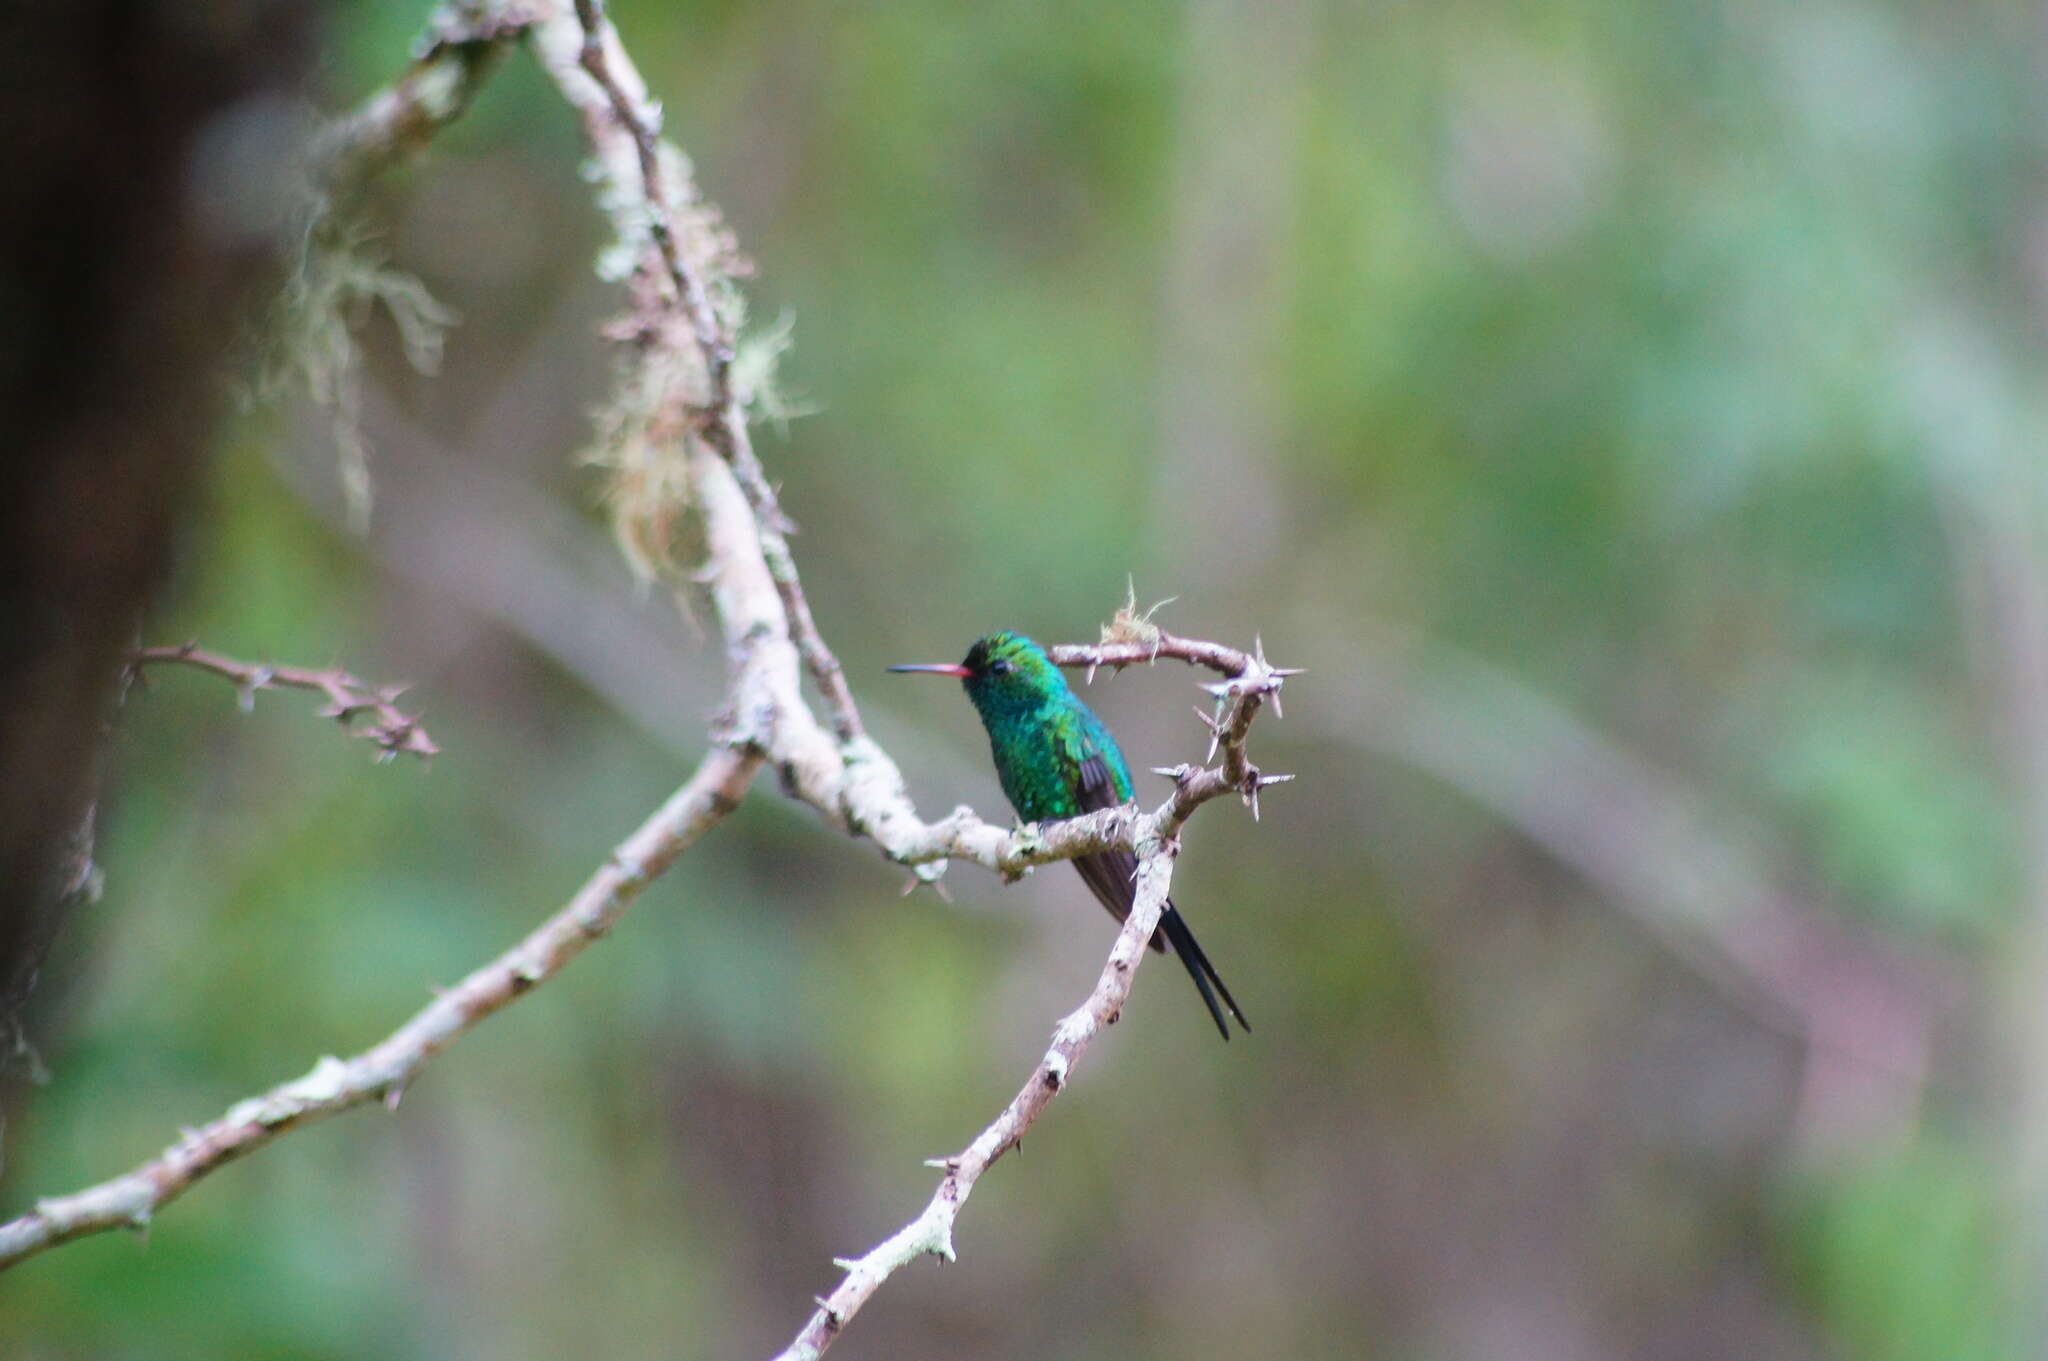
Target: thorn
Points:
(393, 1096)
(931, 871)
(948, 1165)
(846, 1263)
(1254, 782)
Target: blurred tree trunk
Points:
(142, 202)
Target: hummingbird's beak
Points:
(935, 668)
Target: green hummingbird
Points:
(1056, 759)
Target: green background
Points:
(1629, 414)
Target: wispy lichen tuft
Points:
(312, 337)
(1132, 625)
(756, 376)
(640, 439)
(660, 398)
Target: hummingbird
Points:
(1056, 759)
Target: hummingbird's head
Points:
(1004, 673)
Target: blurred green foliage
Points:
(1676, 361)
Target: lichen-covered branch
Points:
(348, 698)
(383, 1071)
(654, 202)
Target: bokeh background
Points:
(1628, 412)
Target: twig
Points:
(462, 46)
(932, 1231)
(347, 697)
(384, 1071)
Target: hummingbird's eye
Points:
(999, 668)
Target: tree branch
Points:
(384, 1070)
(623, 126)
(347, 698)
(932, 1231)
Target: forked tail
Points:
(1201, 970)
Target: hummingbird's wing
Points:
(1113, 876)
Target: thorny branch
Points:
(348, 699)
(771, 641)
(383, 1071)
(932, 1231)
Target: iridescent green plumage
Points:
(1056, 759)
(1040, 732)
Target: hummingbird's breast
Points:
(1031, 765)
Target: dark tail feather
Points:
(1201, 970)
